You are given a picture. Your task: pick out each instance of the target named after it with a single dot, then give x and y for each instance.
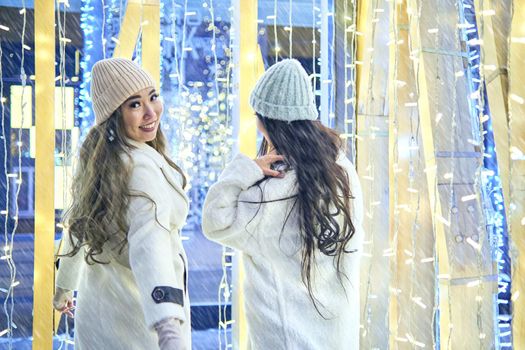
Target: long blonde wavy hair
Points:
(100, 189)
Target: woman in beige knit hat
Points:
(122, 250)
(295, 213)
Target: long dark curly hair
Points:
(100, 189)
(323, 188)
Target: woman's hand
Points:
(63, 301)
(169, 331)
(265, 163)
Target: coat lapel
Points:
(173, 179)
(170, 174)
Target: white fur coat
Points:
(279, 311)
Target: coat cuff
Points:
(68, 274)
(70, 268)
(157, 312)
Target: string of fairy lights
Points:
(478, 185)
(373, 200)
(314, 47)
(350, 96)
(64, 154)
(11, 219)
(495, 217)
(470, 28)
(516, 154)
(7, 248)
(277, 47)
(225, 289)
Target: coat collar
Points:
(150, 151)
(169, 173)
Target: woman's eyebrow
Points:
(132, 97)
(138, 96)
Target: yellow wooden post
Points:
(145, 13)
(44, 174)
(250, 64)
(372, 141)
(393, 128)
(129, 30)
(429, 154)
(151, 39)
(517, 169)
(361, 18)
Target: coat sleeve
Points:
(227, 214)
(151, 254)
(70, 267)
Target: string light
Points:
(198, 122)
(492, 195)
(9, 301)
(369, 131)
(87, 24)
(9, 325)
(351, 120)
(64, 151)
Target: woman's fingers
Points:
(270, 172)
(68, 313)
(272, 158)
(63, 302)
(269, 159)
(265, 163)
(66, 310)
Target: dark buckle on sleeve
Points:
(163, 294)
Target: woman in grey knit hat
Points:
(122, 249)
(295, 213)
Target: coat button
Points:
(158, 294)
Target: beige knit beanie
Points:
(113, 80)
(284, 92)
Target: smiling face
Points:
(141, 114)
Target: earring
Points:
(111, 136)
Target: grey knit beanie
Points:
(284, 92)
(113, 81)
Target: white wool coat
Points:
(279, 311)
(115, 309)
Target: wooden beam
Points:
(151, 39)
(393, 129)
(129, 30)
(393, 159)
(145, 15)
(44, 174)
(372, 60)
(429, 154)
(250, 65)
(411, 280)
(362, 23)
